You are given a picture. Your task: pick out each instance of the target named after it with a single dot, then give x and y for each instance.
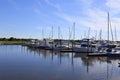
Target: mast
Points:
(100, 34)
(59, 37)
(58, 32)
(84, 34)
(89, 33)
(69, 37)
(70, 34)
(42, 33)
(96, 35)
(52, 39)
(52, 32)
(74, 31)
(73, 35)
(108, 27)
(115, 34)
(111, 31)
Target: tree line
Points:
(14, 39)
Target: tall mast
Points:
(88, 32)
(42, 33)
(74, 31)
(85, 34)
(115, 34)
(52, 32)
(70, 33)
(100, 34)
(108, 26)
(73, 35)
(111, 31)
(58, 32)
(96, 35)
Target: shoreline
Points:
(13, 42)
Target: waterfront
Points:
(24, 63)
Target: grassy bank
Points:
(13, 42)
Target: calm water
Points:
(23, 63)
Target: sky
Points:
(35, 18)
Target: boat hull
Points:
(84, 50)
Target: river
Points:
(23, 63)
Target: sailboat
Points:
(61, 44)
(86, 46)
(50, 42)
(111, 49)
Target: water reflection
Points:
(107, 65)
(23, 63)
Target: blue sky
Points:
(27, 18)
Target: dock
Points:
(103, 55)
(97, 55)
(66, 50)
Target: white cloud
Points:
(85, 3)
(37, 11)
(95, 18)
(57, 6)
(65, 16)
(114, 4)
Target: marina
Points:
(101, 48)
(59, 40)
